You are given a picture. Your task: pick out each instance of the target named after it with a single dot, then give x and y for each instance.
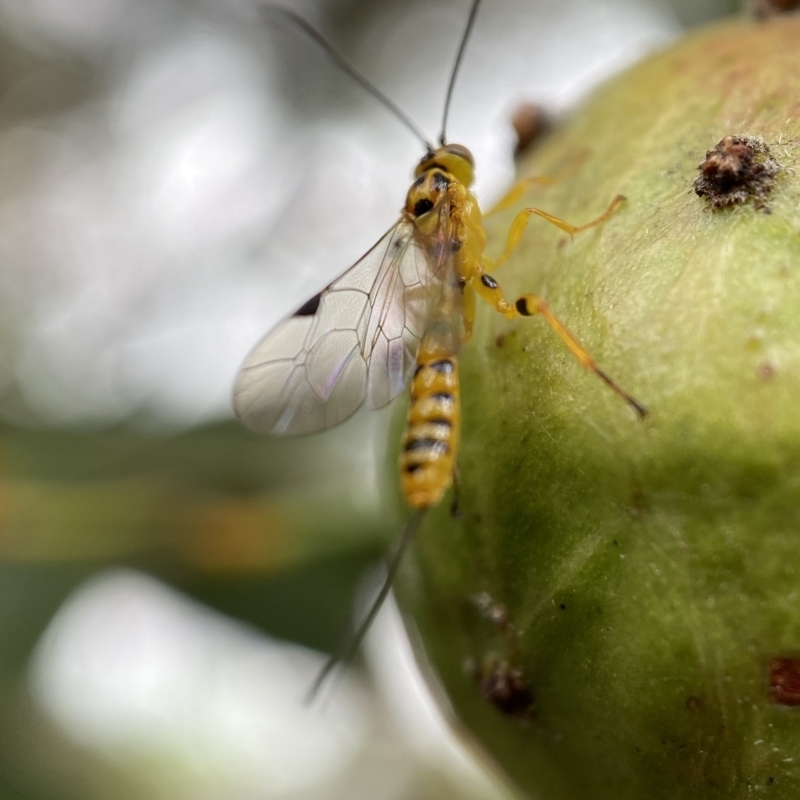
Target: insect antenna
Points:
(473, 12)
(347, 68)
(344, 655)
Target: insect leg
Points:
(519, 188)
(468, 311)
(521, 222)
(529, 304)
(516, 191)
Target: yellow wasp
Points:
(400, 314)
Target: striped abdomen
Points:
(430, 441)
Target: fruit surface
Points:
(645, 576)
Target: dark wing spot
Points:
(309, 308)
(422, 207)
(522, 307)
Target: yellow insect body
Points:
(399, 315)
(430, 440)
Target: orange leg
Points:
(529, 304)
(519, 188)
(516, 191)
(469, 311)
(521, 222)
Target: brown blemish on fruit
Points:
(490, 610)
(638, 502)
(738, 169)
(784, 681)
(765, 9)
(693, 703)
(531, 122)
(766, 371)
(503, 685)
(500, 679)
(754, 342)
(503, 338)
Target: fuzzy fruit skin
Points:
(651, 569)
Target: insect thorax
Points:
(425, 192)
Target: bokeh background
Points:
(176, 176)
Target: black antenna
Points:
(352, 643)
(343, 64)
(473, 12)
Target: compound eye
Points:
(461, 152)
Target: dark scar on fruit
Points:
(766, 9)
(766, 371)
(784, 681)
(503, 685)
(500, 679)
(531, 123)
(737, 170)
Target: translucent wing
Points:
(355, 341)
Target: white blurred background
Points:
(176, 176)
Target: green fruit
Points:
(637, 578)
